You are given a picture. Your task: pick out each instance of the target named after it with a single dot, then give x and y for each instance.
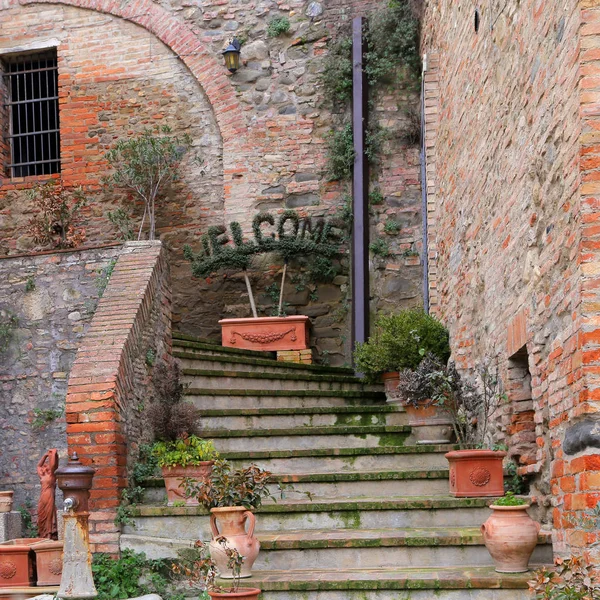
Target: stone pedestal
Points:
(10, 526)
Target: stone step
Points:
(248, 380)
(189, 522)
(341, 485)
(314, 416)
(235, 399)
(364, 548)
(300, 438)
(185, 343)
(202, 360)
(398, 583)
(333, 460)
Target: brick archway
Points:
(208, 71)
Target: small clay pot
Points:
(6, 501)
(510, 535)
(430, 423)
(174, 477)
(391, 379)
(241, 593)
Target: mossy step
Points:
(307, 410)
(329, 505)
(319, 452)
(210, 346)
(359, 395)
(307, 431)
(304, 539)
(264, 362)
(303, 376)
(459, 578)
(409, 474)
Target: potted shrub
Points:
(230, 495)
(197, 567)
(399, 342)
(510, 534)
(179, 451)
(476, 471)
(294, 238)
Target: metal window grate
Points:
(32, 86)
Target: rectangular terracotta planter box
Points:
(48, 560)
(266, 333)
(17, 562)
(476, 473)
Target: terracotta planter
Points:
(430, 423)
(390, 383)
(48, 560)
(266, 333)
(476, 473)
(17, 562)
(6, 501)
(174, 477)
(510, 535)
(241, 593)
(230, 522)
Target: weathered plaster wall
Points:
(261, 134)
(53, 317)
(504, 158)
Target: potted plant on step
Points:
(476, 471)
(292, 238)
(510, 534)
(179, 452)
(230, 495)
(400, 342)
(197, 568)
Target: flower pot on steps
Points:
(174, 477)
(430, 423)
(48, 560)
(476, 473)
(241, 593)
(390, 384)
(266, 333)
(230, 522)
(510, 535)
(17, 562)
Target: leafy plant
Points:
(131, 575)
(29, 529)
(146, 165)
(391, 227)
(277, 26)
(401, 341)
(196, 567)
(571, 579)
(59, 214)
(30, 284)
(150, 357)
(376, 197)
(44, 416)
(510, 500)
(513, 482)
(190, 450)
(103, 276)
(340, 154)
(8, 324)
(227, 486)
(129, 499)
(337, 72)
(123, 223)
(380, 247)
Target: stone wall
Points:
(53, 298)
(514, 204)
(110, 383)
(261, 134)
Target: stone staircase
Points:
(380, 525)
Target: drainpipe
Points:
(425, 261)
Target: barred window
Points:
(31, 89)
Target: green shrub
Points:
(341, 154)
(277, 26)
(510, 500)
(191, 450)
(400, 342)
(380, 247)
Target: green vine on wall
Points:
(8, 325)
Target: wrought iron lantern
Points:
(232, 55)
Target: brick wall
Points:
(53, 296)
(515, 171)
(110, 381)
(261, 134)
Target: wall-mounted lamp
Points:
(232, 55)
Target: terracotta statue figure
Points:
(47, 506)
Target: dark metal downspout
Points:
(424, 193)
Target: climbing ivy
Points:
(8, 324)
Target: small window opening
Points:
(31, 89)
(477, 20)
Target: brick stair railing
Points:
(380, 524)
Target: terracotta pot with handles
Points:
(230, 522)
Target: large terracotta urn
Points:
(510, 535)
(476, 473)
(230, 522)
(174, 481)
(241, 593)
(430, 423)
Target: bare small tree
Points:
(147, 165)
